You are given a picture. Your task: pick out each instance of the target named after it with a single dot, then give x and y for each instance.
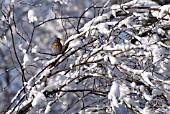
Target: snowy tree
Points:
(115, 58)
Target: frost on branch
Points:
(116, 62)
(32, 16)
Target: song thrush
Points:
(56, 46)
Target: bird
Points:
(56, 46)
